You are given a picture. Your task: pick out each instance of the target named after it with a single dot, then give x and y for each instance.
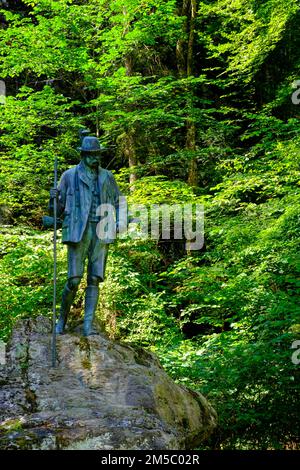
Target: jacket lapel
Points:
(102, 183)
(101, 177)
(82, 174)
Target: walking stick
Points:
(54, 268)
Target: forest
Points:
(197, 102)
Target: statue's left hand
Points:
(54, 193)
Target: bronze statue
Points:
(81, 191)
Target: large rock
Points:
(102, 395)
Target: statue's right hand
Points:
(53, 193)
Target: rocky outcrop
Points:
(101, 395)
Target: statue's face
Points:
(92, 160)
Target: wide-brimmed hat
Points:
(91, 144)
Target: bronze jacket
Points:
(75, 199)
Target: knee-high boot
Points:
(68, 297)
(91, 301)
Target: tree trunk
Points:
(191, 145)
(191, 128)
(184, 55)
(130, 153)
(190, 49)
(181, 43)
(129, 143)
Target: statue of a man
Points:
(81, 191)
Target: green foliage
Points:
(169, 93)
(251, 381)
(247, 32)
(241, 296)
(27, 148)
(131, 305)
(26, 266)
